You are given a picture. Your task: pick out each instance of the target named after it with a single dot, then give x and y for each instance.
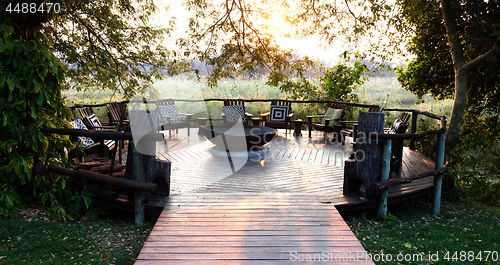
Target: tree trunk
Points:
(457, 56)
(459, 106)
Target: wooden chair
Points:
(352, 131)
(327, 127)
(88, 112)
(232, 117)
(91, 146)
(272, 118)
(403, 119)
(115, 110)
(170, 117)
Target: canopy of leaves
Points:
(103, 44)
(431, 71)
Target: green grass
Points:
(32, 239)
(411, 229)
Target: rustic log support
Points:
(384, 175)
(138, 176)
(39, 168)
(414, 119)
(438, 179)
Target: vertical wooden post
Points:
(384, 175)
(139, 176)
(438, 179)
(414, 116)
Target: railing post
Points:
(384, 175)
(414, 117)
(139, 176)
(438, 179)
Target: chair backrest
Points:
(85, 112)
(405, 117)
(234, 102)
(336, 105)
(165, 102)
(283, 102)
(114, 112)
(375, 109)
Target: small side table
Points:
(298, 127)
(256, 121)
(202, 122)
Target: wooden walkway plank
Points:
(252, 229)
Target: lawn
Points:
(464, 232)
(32, 238)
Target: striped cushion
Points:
(278, 113)
(234, 113)
(78, 124)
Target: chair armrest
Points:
(188, 116)
(248, 114)
(317, 116)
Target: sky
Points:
(311, 46)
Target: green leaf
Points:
(87, 201)
(11, 84)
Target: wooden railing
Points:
(440, 167)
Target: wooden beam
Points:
(40, 168)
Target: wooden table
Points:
(298, 127)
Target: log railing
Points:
(440, 167)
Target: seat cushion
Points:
(94, 122)
(234, 113)
(86, 141)
(169, 111)
(278, 113)
(332, 114)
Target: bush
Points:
(30, 82)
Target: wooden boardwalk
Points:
(249, 228)
(277, 210)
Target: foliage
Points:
(238, 36)
(31, 238)
(335, 83)
(467, 73)
(30, 80)
(105, 44)
(413, 230)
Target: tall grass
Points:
(382, 91)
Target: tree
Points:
(457, 48)
(102, 44)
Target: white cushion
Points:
(169, 111)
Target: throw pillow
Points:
(278, 113)
(94, 122)
(234, 113)
(334, 115)
(169, 111)
(395, 126)
(78, 124)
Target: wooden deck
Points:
(276, 210)
(249, 228)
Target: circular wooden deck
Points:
(292, 165)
